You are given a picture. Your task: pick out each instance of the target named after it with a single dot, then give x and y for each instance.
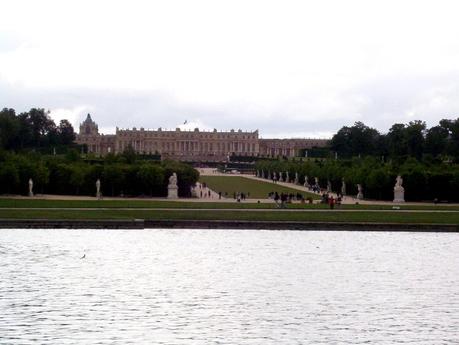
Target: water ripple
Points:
(228, 287)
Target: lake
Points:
(228, 287)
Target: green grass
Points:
(321, 216)
(257, 189)
(154, 204)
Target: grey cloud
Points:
(382, 103)
(403, 99)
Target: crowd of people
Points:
(330, 200)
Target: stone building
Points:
(288, 147)
(193, 145)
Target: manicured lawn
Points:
(128, 203)
(334, 216)
(255, 189)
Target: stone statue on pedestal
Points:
(172, 188)
(399, 191)
(306, 183)
(98, 194)
(297, 180)
(30, 187)
(343, 187)
(329, 186)
(360, 192)
(262, 174)
(287, 178)
(280, 177)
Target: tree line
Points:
(402, 140)
(423, 181)
(35, 130)
(71, 175)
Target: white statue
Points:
(306, 183)
(98, 195)
(30, 187)
(399, 191)
(297, 179)
(343, 187)
(329, 186)
(287, 178)
(360, 193)
(280, 177)
(173, 180)
(172, 188)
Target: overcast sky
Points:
(287, 68)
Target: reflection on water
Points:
(228, 287)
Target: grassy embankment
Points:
(322, 216)
(186, 204)
(255, 189)
(139, 209)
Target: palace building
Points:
(190, 146)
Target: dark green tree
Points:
(9, 128)
(66, 134)
(436, 140)
(151, 177)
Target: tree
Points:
(452, 126)
(436, 140)
(41, 176)
(9, 128)
(150, 177)
(66, 134)
(77, 177)
(113, 175)
(41, 126)
(129, 154)
(356, 140)
(396, 140)
(9, 177)
(415, 141)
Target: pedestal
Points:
(172, 192)
(360, 196)
(399, 194)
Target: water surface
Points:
(228, 287)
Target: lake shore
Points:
(62, 212)
(221, 225)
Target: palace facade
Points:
(193, 145)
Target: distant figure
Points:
(276, 199)
(84, 255)
(331, 202)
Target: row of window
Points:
(138, 145)
(187, 135)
